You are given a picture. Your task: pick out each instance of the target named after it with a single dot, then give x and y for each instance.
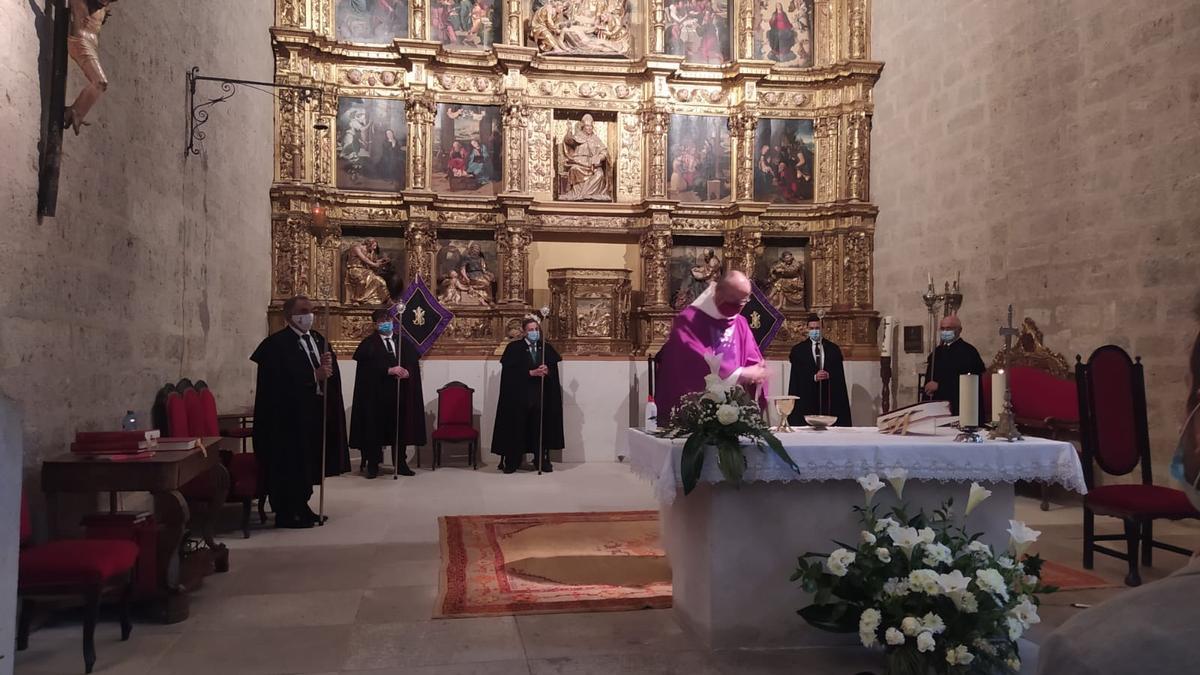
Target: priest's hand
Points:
(398, 372)
(540, 371)
(323, 373)
(753, 374)
(930, 387)
(821, 375)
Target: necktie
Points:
(820, 357)
(311, 350)
(390, 348)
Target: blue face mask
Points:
(814, 334)
(534, 335)
(947, 336)
(384, 327)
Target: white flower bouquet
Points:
(723, 416)
(933, 597)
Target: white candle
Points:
(968, 401)
(999, 389)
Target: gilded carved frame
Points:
(835, 93)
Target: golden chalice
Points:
(784, 406)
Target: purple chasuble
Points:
(681, 364)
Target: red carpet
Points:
(551, 562)
(1067, 578)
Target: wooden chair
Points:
(244, 470)
(455, 422)
(1043, 389)
(87, 568)
(1115, 436)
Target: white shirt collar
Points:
(707, 303)
(297, 330)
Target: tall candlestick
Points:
(968, 401)
(999, 390)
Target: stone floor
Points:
(357, 594)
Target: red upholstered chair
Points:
(244, 474)
(91, 568)
(177, 416)
(1112, 414)
(455, 422)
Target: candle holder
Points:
(1006, 426)
(969, 435)
(784, 405)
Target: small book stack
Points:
(922, 418)
(122, 446)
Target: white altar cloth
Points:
(847, 453)
(733, 549)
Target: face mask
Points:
(814, 334)
(534, 335)
(303, 321)
(384, 327)
(947, 336)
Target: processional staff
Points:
(541, 453)
(397, 312)
(326, 358)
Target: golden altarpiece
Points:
(453, 137)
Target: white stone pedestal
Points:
(733, 550)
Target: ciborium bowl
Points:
(820, 422)
(784, 405)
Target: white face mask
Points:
(303, 321)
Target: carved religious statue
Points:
(367, 274)
(706, 270)
(83, 41)
(785, 283)
(467, 279)
(581, 27)
(585, 168)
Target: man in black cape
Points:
(289, 413)
(528, 365)
(954, 356)
(388, 365)
(818, 378)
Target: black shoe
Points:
(403, 470)
(293, 522)
(508, 468)
(372, 470)
(312, 517)
(547, 467)
(362, 465)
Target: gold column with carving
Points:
(516, 120)
(421, 110)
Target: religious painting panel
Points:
(782, 274)
(784, 170)
(585, 156)
(372, 267)
(467, 145)
(699, 158)
(371, 21)
(582, 27)
(466, 24)
(699, 30)
(783, 32)
(467, 269)
(695, 263)
(372, 143)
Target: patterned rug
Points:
(1067, 578)
(546, 563)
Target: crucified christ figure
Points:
(87, 17)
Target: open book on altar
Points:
(922, 418)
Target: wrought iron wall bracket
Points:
(199, 107)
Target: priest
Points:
(387, 383)
(298, 394)
(818, 378)
(954, 356)
(529, 415)
(712, 324)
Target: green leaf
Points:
(777, 447)
(836, 618)
(691, 462)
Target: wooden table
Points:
(162, 476)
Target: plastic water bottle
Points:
(129, 423)
(651, 414)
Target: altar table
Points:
(162, 475)
(732, 550)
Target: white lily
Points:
(870, 484)
(978, 494)
(953, 582)
(904, 537)
(897, 477)
(1021, 536)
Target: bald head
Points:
(732, 293)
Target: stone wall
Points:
(155, 267)
(1051, 152)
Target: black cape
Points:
(373, 415)
(950, 361)
(829, 397)
(288, 415)
(520, 396)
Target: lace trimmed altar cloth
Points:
(847, 453)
